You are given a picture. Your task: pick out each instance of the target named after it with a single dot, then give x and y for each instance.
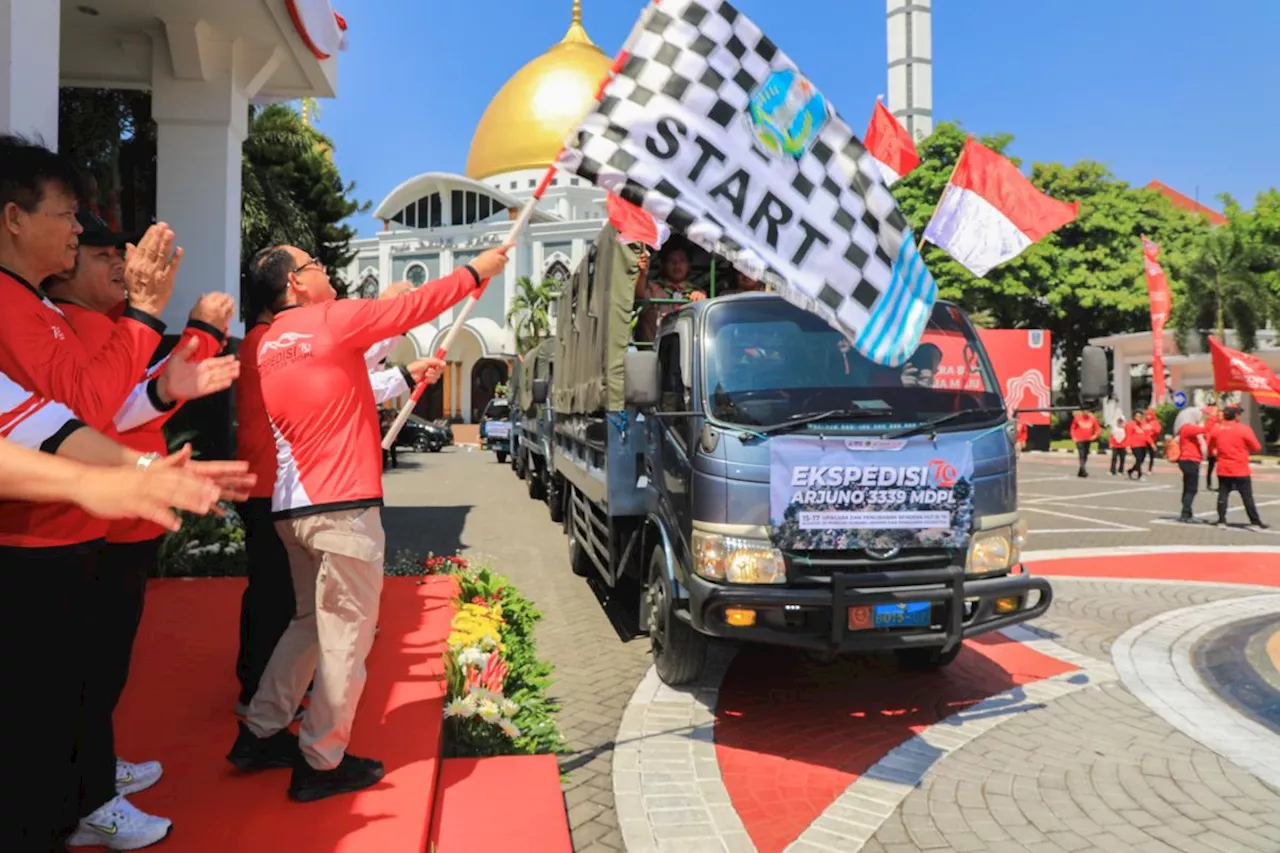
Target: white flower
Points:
(487, 643)
(483, 694)
(458, 708)
(508, 707)
(489, 712)
(472, 702)
(509, 729)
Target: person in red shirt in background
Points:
(1212, 417)
(1192, 446)
(1156, 430)
(320, 403)
(1084, 430)
(92, 296)
(1234, 442)
(1140, 442)
(1119, 443)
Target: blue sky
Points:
(1170, 89)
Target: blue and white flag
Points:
(713, 130)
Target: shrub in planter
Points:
(205, 546)
(497, 701)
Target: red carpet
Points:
(509, 802)
(1225, 567)
(178, 708)
(791, 735)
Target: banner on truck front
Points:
(880, 494)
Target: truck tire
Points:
(926, 658)
(678, 650)
(518, 462)
(555, 498)
(534, 480)
(502, 457)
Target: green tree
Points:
(1084, 280)
(293, 192)
(530, 312)
(1229, 284)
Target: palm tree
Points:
(1226, 282)
(530, 312)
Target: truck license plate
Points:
(912, 614)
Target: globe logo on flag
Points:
(787, 113)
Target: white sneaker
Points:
(132, 778)
(119, 825)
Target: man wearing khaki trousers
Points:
(326, 504)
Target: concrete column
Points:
(200, 128)
(384, 265)
(1122, 385)
(30, 32)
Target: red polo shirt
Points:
(1233, 442)
(41, 352)
(255, 443)
(1085, 428)
(1189, 444)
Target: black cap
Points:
(98, 233)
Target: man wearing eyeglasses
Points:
(320, 404)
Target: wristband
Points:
(473, 272)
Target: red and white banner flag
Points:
(635, 224)
(888, 142)
(990, 213)
(1237, 371)
(1161, 304)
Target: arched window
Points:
(415, 274)
(558, 270)
(369, 287)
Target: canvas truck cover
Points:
(593, 327)
(534, 364)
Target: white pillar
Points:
(1122, 384)
(30, 32)
(384, 265)
(200, 126)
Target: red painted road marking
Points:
(1221, 567)
(791, 735)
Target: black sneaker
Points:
(352, 774)
(264, 753)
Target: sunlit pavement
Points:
(1141, 713)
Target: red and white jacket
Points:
(255, 441)
(319, 398)
(139, 425)
(33, 421)
(41, 352)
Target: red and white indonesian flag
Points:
(1237, 371)
(990, 213)
(635, 224)
(890, 144)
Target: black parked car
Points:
(417, 434)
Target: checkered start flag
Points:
(713, 130)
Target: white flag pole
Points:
(525, 215)
(516, 227)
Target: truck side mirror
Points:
(539, 392)
(1093, 374)
(641, 379)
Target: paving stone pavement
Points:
(465, 501)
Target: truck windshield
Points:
(497, 412)
(768, 362)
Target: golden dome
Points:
(525, 124)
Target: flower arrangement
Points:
(497, 701)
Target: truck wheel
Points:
(925, 658)
(518, 463)
(502, 457)
(555, 499)
(678, 650)
(534, 479)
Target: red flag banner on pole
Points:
(1161, 304)
(1237, 371)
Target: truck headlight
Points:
(736, 560)
(996, 550)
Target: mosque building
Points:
(435, 222)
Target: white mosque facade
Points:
(436, 222)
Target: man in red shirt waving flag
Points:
(328, 491)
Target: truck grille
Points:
(819, 566)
